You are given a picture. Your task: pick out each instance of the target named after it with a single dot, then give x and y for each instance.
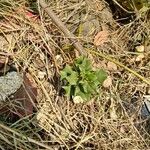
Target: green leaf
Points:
(86, 65)
(67, 90)
(81, 79)
(85, 96)
(87, 87)
(79, 60)
(83, 64)
(96, 83)
(66, 72)
(91, 76)
(70, 90)
(101, 75)
(70, 75)
(72, 78)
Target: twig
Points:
(62, 27)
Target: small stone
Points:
(113, 114)
(145, 109)
(140, 48)
(41, 74)
(139, 57)
(108, 82)
(59, 59)
(101, 38)
(111, 66)
(147, 103)
(78, 99)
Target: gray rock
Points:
(9, 84)
(145, 110)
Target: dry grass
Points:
(108, 121)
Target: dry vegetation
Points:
(111, 120)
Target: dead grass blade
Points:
(25, 137)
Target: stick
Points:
(62, 27)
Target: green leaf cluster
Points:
(81, 80)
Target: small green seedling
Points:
(81, 80)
